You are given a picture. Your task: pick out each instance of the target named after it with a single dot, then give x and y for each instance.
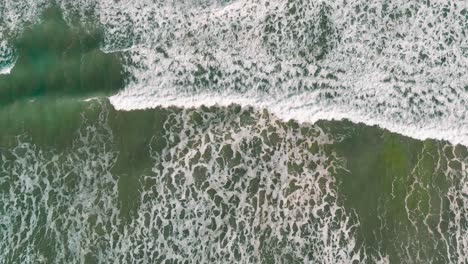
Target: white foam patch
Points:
(6, 70)
(6, 56)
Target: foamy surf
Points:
(227, 184)
(222, 201)
(394, 67)
(306, 113)
(401, 66)
(82, 181)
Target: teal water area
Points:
(56, 60)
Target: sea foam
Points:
(399, 65)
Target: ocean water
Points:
(233, 131)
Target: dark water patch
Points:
(55, 59)
(48, 122)
(136, 134)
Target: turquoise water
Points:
(114, 149)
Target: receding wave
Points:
(212, 188)
(217, 185)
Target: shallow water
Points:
(161, 133)
(224, 185)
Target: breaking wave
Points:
(397, 64)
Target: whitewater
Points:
(400, 65)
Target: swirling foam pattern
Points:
(223, 188)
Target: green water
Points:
(81, 182)
(55, 60)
